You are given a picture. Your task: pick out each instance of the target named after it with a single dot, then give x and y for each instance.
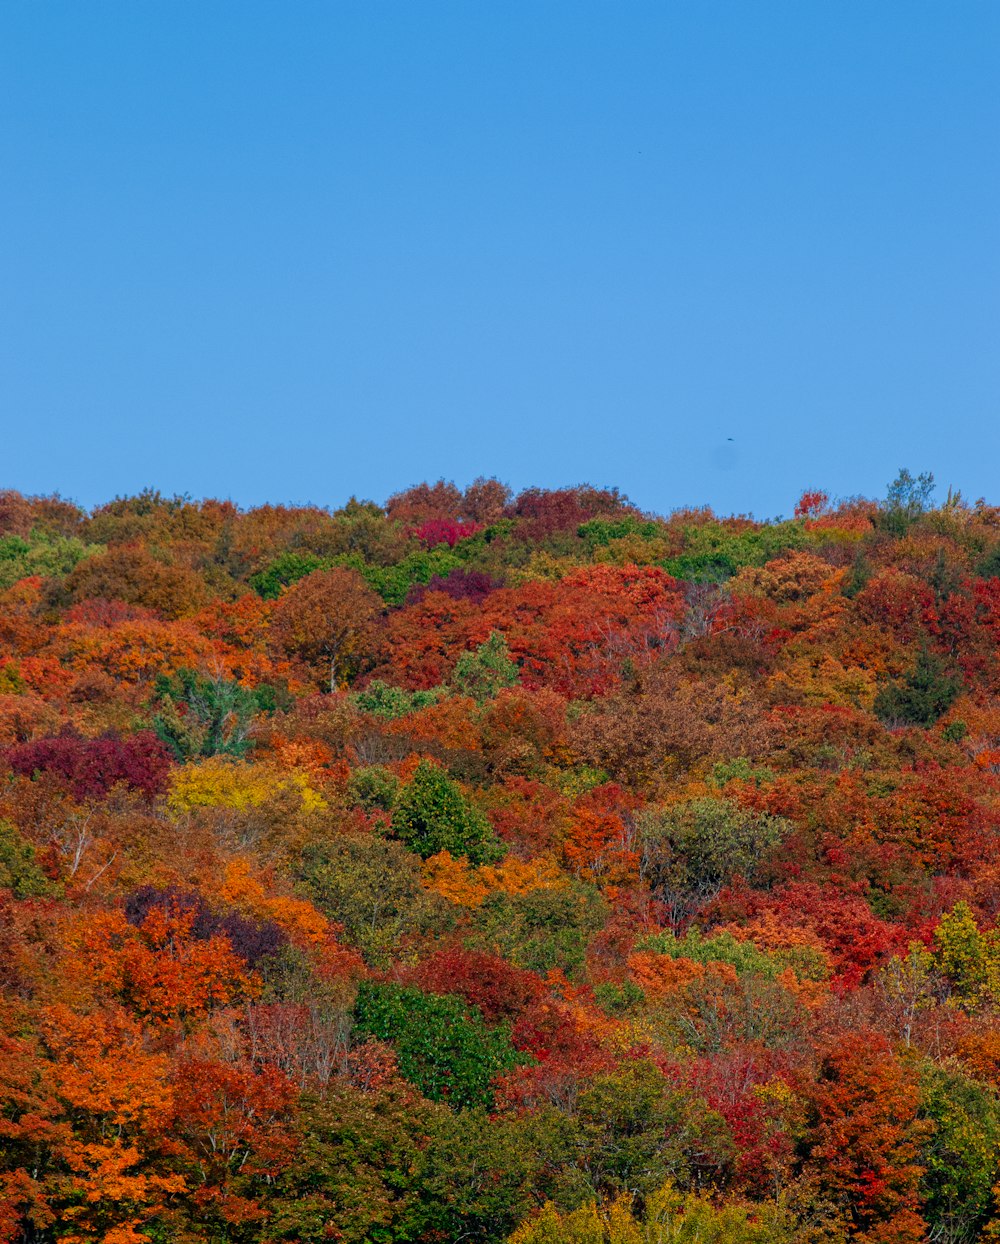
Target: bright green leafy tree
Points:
(444, 1047)
(432, 815)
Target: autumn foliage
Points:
(498, 867)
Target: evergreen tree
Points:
(924, 695)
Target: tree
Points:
(231, 1136)
(668, 1216)
(431, 814)
(443, 1045)
(689, 851)
(386, 1165)
(637, 1130)
(283, 571)
(961, 1156)
(329, 617)
(925, 694)
(425, 501)
(668, 723)
(485, 500)
(358, 1166)
(968, 959)
(112, 1094)
(42, 554)
(544, 930)
(389, 703)
(459, 584)
(436, 531)
(907, 500)
(373, 786)
(164, 971)
(90, 768)
(19, 871)
(371, 886)
(202, 716)
(132, 574)
(865, 1138)
(488, 670)
(498, 989)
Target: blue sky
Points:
(296, 251)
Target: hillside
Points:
(485, 867)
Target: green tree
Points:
(988, 567)
(544, 929)
(746, 958)
(43, 553)
(907, 500)
(479, 1172)
(638, 1130)
(432, 815)
(961, 1156)
(481, 674)
(357, 1168)
(389, 703)
(668, 1216)
(922, 696)
(907, 988)
(689, 851)
(19, 871)
(858, 576)
(739, 769)
(444, 1047)
(968, 959)
(386, 1165)
(373, 786)
(283, 571)
(202, 716)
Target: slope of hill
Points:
(483, 867)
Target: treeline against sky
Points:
(486, 868)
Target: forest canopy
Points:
(496, 867)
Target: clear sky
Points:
(293, 251)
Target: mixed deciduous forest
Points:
(483, 867)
